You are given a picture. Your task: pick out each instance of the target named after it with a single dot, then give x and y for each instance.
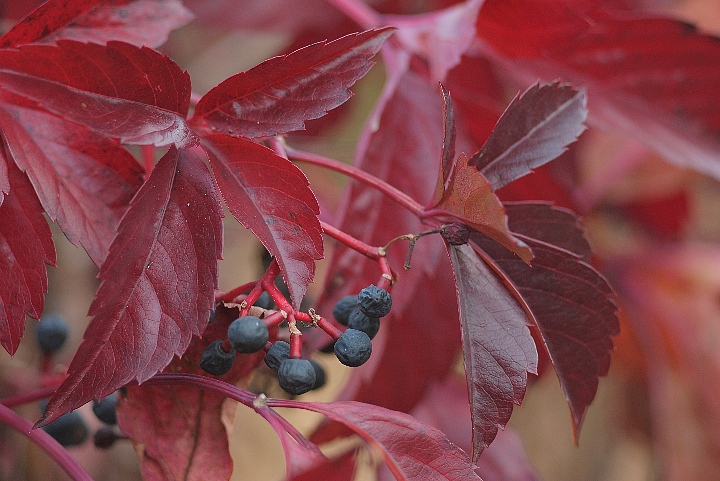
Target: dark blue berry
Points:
(361, 322)
(265, 301)
(248, 334)
(51, 332)
(353, 348)
(214, 360)
(69, 429)
(278, 352)
(104, 437)
(296, 376)
(105, 409)
(320, 377)
(343, 308)
(374, 301)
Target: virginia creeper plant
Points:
(103, 135)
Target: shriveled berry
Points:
(279, 351)
(353, 348)
(296, 376)
(51, 333)
(361, 322)
(264, 301)
(248, 334)
(69, 429)
(374, 301)
(320, 377)
(343, 308)
(105, 408)
(456, 233)
(214, 360)
(105, 437)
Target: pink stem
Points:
(29, 397)
(148, 156)
(350, 241)
(360, 13)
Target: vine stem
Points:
(395, 194)
(30, 396)
(358, 12)
(45, 442)
(350, 241)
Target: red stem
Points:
(230, 296)
(350, 241)
(395, 194)
(45, 442)
(30, 396)
(148, 156)
(296, 346)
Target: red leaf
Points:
(26, 244)
(570, 303)
(158, 284)
(412, 449)
(139, 22)
(470, 199)
(84, 181)
(623, 61)
(447, 158)
(135, 94)
(46, 19)
(498, 348)
(280, 94)
(536, 128)
(270, 196)
(340, 469)
(178, 428)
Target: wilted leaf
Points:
(270, 196)
(536, 128)
(280, 94)
(158, 284)
(570, 303)
(498, 348)
(26, 244)
(412, 449)
(84, 181)
(135, 94)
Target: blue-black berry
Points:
(105, 437)
(353, 348)
(320, 377)
(278, 352)
(296, 376)
(69, 429)
(264, 301)
(361, 322)
(374, 301)
(248, 334)
(51, 333)
(343, 308)
(105, 408)
(214, 360)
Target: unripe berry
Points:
(456, 234)
(248, 334)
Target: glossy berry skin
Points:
(105, 408)
(69, 429)
(248, 334)
(343, 309)
(51, 333)
(374, 301)
(361, 322)
(214, 360)
(353, 348)
(320, 377)
(279, 351)
(296, 376)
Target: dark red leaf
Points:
(280, 94)
(498, 348)
(536, 128)
(84, 181)
(270, 196)
(46, 19)
(139, 22)
(26, 244)
(469, 198)
(623, 60)
(412, 449)
(447, 159)
(158, 283)
(178, 428)
(339, 469)
(570, 303)
(135, 94)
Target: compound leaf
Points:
(26, 244)
(280, 94)
(270, 196)
(498, 348)
(158, 284)
(536, 128)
